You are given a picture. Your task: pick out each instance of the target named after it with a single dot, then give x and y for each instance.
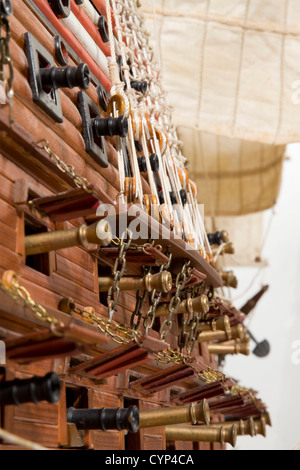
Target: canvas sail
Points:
(230, 70)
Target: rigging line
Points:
(255, 277)
(157, 42)
(208, 185)
(261, 268)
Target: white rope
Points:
(117, 84)
(134, 162)
(149, 169)
(110, 31)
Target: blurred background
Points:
(231, 73)
(276, 317)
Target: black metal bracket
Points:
(103, 96)
(38, 57)
(94, 145)
(61, 8)
(61, 51)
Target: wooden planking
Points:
(46, 413)
(13, 173)
(106, 440)
(38, 368)
(153, 442)
(41, 433)
(68, 97)
(9, 215)
(70, 270)
(21, 23)
(6, 189)
(78, 256)
(183, 445)
(8, 237)
(62, 140)
(204, 446)
(152, 438)
(9, 260)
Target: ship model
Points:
(112, 320)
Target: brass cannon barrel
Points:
(223, 348)
(221, 323)
(226, 249)
(198, 304)
(98, 233)
(180, 414)
(244, 427)
(229, 279)
(220, 434)
(236, 332)
(260, 426)
(161, 281)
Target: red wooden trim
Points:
(74, 43)
(101, 7)
(90, 28)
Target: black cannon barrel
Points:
(110, 126)
(33, 390)
(65, 77)
(105, 418)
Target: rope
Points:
(19, 441)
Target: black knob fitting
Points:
(138, 146)
(161, 197)
(110, 126)
(6, 8)
(105, 418)
(154, 162)
(142, 164)
(215, 238)
(183, 196)
(65, 77)
(173, 198)
(139, 86)
(61, 8)
(31, 390)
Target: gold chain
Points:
(237, 390)
(210, 376)
(10, 285)
(120, 334)
(79, 180)
(171, 356)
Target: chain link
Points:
(69, 170)
(5, 59)
(171, 356)
(120, 334)
(237, 390)
(119, 270)
(10, 285)
(154, 300)
(136, 317)
(210, 376)
(181, 281)
(186, 340)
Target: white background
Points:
(276, 318)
